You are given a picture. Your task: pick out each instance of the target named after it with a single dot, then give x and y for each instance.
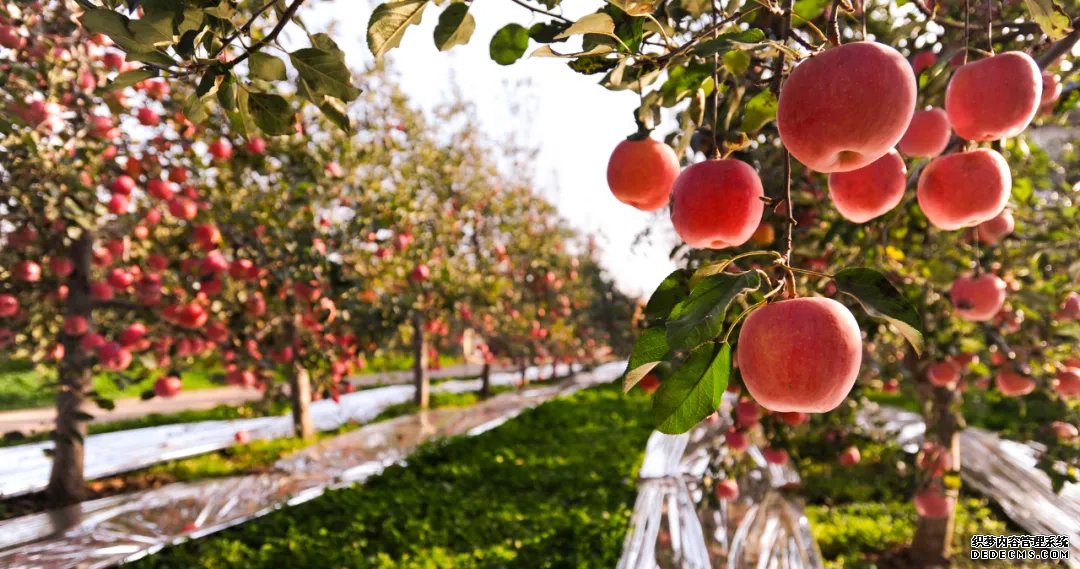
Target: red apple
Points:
(736, 440)
(932, 503)
(727, 489)
(27, 272)
(220, 149)
(167, 386)
(995, 97)
(922, 61)
(1067, 383)
(9, 305)
(830, 125)
(943, 374)
(775, 456)
(927, 135)
(978, 298)
(1064, 431)
(717, 204)
(849, 457)
(964, 189)
(76, 325)
(868, 192)
(1012, 384)
(801, 354)
(640, 173)
(650, 383)
(993, 230)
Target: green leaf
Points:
(153, 29)
(266, 67)
(700, 317)
(807, 10)
(881, 299)
(335, 113)
(693, 391)
(271, 113)
(1050, 17)
(129, 78)
(722, 42)
(649, 350)
(156, 57)
(598, 23)
(545, 32)
(112, 24)
(325, 72)
(456, 26)
(672, 290)
(636, 7)
(509, 44)
(736, 62)
(759, 111)
(240, 119)
(389, 22)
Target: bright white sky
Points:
(574, 122)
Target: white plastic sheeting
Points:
(676, 524)
(1002, 469)
(25, 468)
(111, 530)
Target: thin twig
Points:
(544, 12)
(243, 29)
(287, 15)
(662, 60)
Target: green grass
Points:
(552, 488)
(384, 362)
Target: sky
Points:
(574, 122)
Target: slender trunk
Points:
(524, 377)
(485, 381)
(420, 364)
(932, 543)
(554, 371)
(299, 390)
(300, 397)
(66, 483)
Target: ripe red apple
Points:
(9, 305)
(91, 342)
(849, 457)
(978, 298)
(727, 489)
(241, 378)
(183, 208)
(964, 189)
(123, 185)
(76, 325)
(256, 306)
(927, 135)
(242, 437)
(160, 189)
(192, 315)
(10, 38)
(114, 357)
(736, 440)
(932, 503)
(27, 271)
(943, 374)
(257, 145)
(764, 235)
(420, 274)
(214, 263)
(717, 204)
(1051, 91)
(801, 354)
(922, 61)
(167, 386)
(775, 456)
(794, 418)
(1064, 431)
(132, 335)
(1012, 384)
(220, 149)
(101, 291)
(640, 173)
(148, 117)
(61, 266)
(747, 413)
(650, 383)
(995, 97)
(207, 236)
(178, 174)
(830, 125)
(993, 230)
(1067, 383)
(868, 192)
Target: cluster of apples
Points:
(844, 112)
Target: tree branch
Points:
(285, 17)
(1060, 47)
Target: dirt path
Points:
(42, 418)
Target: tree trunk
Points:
(523, 367)
(420, 364)
(66, 483)
(554, 370)
(485, 381)
(300, 398)
(932, 543)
